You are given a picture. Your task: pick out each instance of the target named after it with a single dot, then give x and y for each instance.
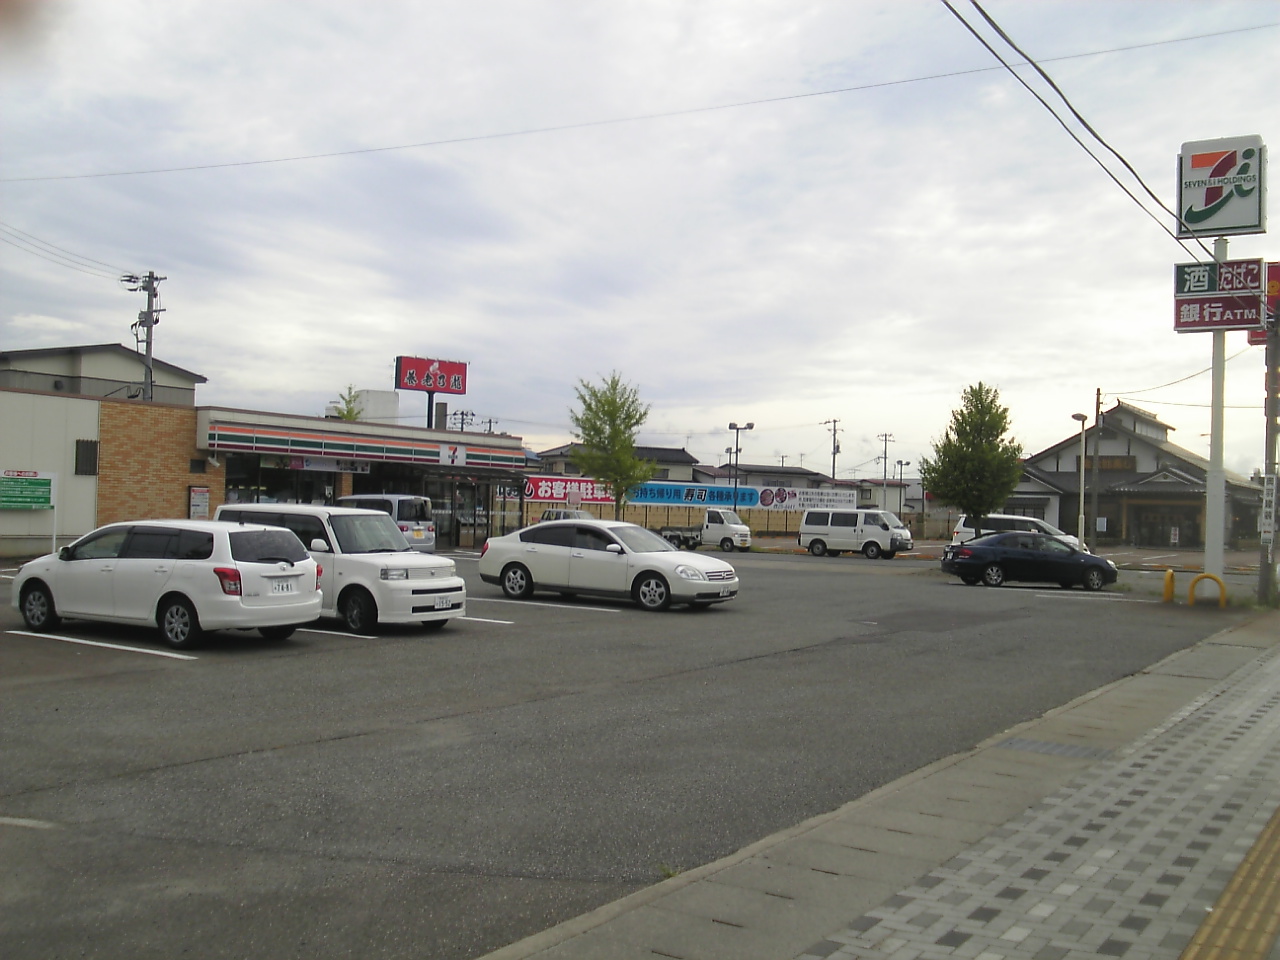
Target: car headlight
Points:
(1112, 565)
(394, 573)
(690, 573)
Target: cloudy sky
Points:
(774, 211)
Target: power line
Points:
(637, 118)
(1071, 133)
(1171, 383)
(51, 256)
(32, 238)
(1085, 123)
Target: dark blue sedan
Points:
(1026, 557)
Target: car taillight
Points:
(229, 577)
(319, 574)
(404, 528)
(484, 547)
(431, 527)
(964, 552)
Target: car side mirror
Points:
(64, 553)
(319, 546)
(884, 526)
(614, 548)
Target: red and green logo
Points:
(1225, 174)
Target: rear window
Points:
(844, 519)
(416, 510)
(266, 546)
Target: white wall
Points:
(39, 432)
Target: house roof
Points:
(10, 356)
(657, 454)
(776, 470)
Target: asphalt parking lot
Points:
(412, 794)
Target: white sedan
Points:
(604, 558)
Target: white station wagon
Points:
(604, 558)
(183, 576)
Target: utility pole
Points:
(884, 460)
(835, 446)
(147, 320)
(488, 424)
(1093, 486)
(782, 457)
(464, 417)
(1266, 573)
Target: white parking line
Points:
(338, 633)
(29, 824)
(108, 646)
(1094, 597)
(483, 620)
(538, 603)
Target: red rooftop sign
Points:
(431, 376)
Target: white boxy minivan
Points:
(873, 533)
(371, 573)
(1003, 522)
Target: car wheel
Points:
(276, 633)
(1093, 579)
(817, 548)
(178, 623)
(358, 611)
(993, 575)
(38, 611)
(970, 581)
(651, 591)
(871, 551)
(517, 583)
(726, 545)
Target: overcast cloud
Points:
(861, 256)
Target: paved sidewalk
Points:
(1139, 821)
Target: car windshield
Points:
(366, 533)
(892, 520)
(640, 540)
(728, 516)
(1050, 529)
(266, 546)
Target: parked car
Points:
(873, 533)
(1027, 557)
(967, 529)
(564, 515)
(370, 572)
(605, 558)
(720, 527)
(183, 576)
(411, 514)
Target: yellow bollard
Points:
(1168, 585)
(1222, 588)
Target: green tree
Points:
(605, 426)
(974, 467)
(349, 404)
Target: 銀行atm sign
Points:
(431, 376)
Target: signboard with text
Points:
(1218, 296)
(1222, 187)
(26, 490)
(431, 376)
(1272, 300)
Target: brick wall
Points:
(144, 462)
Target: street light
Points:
(735, 455)
(1080, 520)
(901, 478)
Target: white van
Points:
(411, 514)
(369, 572)
(966, 530)
(873, 533)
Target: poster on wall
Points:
(197, 503)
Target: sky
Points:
(769, 211)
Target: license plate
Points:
(726, 591)
(283, 586)
(443, 603)
(417, 534)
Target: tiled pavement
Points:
(1112, 827)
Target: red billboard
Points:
(431, 376)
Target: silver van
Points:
(411, 514)
(967, 529)
(873, 533)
